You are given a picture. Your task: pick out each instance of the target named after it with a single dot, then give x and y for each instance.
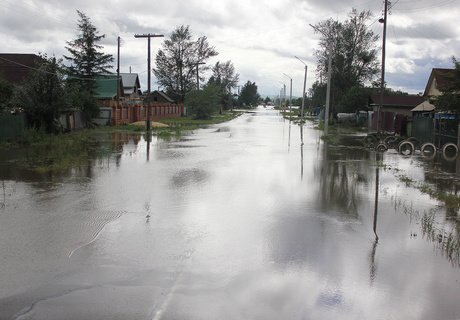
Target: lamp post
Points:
(290, 95)
(329, 71)
(283, 93)
(304, 86)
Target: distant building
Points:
(158, 97)
(398, 104)
(131, 85)
(15, 67)
(437, 81)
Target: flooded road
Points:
(236, 221)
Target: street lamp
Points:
(283, 93)
(304, 85)
(329, 71)
(290, 95)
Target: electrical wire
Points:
(53, 73)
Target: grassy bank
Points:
(41, 153)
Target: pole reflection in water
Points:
(376, 203)
(148, 136)
(301, 151)
(289, 138)
(373, 265)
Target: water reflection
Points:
(372, 262)
(341, 173)
(301, 150)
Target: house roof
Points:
(130, 80)
(165, 96)
(15, 67)
(425, 106)
(106, 87)
(442, 78)
(161, 94)
(398, 100)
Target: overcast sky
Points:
(260, 37)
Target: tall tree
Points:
(354, 54)
(178, 60)
(225, 79)
(249, 95)
(85, 53)
(6, 93)
(449, 100)
(42, 96)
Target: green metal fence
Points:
(423, 129)
(11, 126)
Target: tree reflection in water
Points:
(341, 174)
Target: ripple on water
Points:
(93, 227)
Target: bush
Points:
(202, 104)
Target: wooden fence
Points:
(125, 113)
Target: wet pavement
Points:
(236, 221)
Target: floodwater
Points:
(236, 221)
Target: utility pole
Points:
(329, 71)
(382, 84)
(198, 76)
(148, 36)
(304, 86)
(118, 72)
(328, 90)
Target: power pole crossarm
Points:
(148, 36)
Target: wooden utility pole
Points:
(148, 36)
(118, 72)
(198, 75)
(382, 84)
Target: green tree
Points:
(318, 94)
(449, 100)
(203, 103)
(82, 100)
(356, 98)
(225, 79)
(6, 93)
(178, 59)
(43, 96)
(86, 58)
(354, 53)
(249, 96)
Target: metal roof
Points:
(424, 106)
(130, 80)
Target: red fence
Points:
(124, 113)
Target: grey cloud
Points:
(416, 82)
(423, 31)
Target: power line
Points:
(53, 73)
(431, 6)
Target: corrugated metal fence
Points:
(11, 126)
